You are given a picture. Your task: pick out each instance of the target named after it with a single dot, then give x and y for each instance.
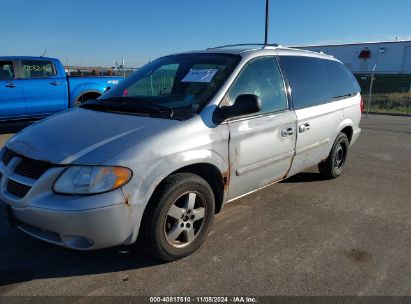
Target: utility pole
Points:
(370, 93)
(267, 8)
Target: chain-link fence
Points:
(386, 93)
(99, 71)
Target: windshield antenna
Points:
(267, 7)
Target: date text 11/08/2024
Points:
(236, 299)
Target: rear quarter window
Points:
(6, 70)
(341, 80)
(316, 81)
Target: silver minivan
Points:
(158, 155)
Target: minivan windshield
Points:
(174, 87)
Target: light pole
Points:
(267, 8)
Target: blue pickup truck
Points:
(32, 87)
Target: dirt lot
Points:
(304, 236)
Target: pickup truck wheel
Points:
(77, 103)
(178, 217)
(333, 166)
(83, 98)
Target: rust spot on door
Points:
(226, 179)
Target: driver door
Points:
(262, 145)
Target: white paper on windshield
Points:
(200, 75)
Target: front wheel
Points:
(178, 217)
(333, 166)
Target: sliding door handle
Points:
(304, 127)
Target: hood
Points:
(84, 136)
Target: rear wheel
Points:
(178, 217)
(333, 166)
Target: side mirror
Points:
(244, 104)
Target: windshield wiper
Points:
(139, 103)
(128, 105)
(345, 95)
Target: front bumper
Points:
(82, 230)
(75, 221)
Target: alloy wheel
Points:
(184, 219)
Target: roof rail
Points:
(263, 45)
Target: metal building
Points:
(387, 57)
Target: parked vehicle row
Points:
(166, 148)
(33, 87)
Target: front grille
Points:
(27, 167)
(7, 156)
(17, 189)
(32, 168)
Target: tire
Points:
(333, 166)
(85, 97)
(178, 217)
(79, 101)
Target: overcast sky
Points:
(101, 32)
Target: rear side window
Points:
(6, 70)
(316, 81)
(37, 69)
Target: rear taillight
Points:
(362, 105)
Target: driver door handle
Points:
(286, 132)
(54, 83)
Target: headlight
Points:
(91, 179)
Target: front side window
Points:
(37, 69)
(177, 86)
(261, 77)
(6, 70)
